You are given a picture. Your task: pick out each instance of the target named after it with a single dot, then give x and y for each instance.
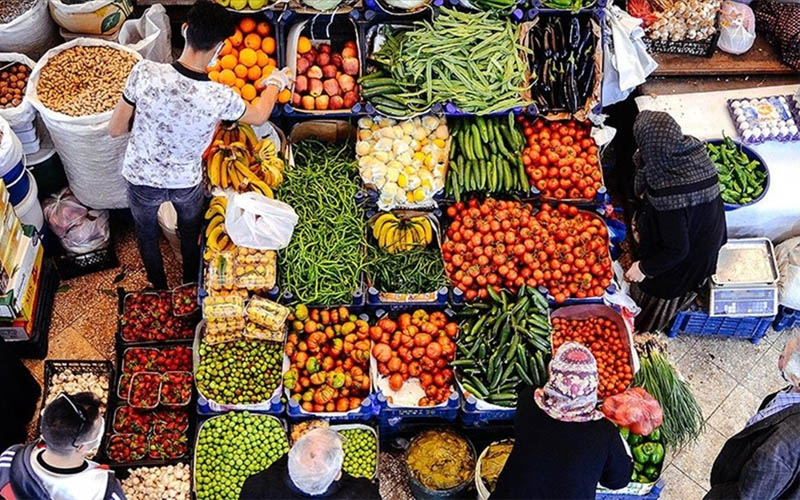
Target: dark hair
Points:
(61, 425)
(209, 24)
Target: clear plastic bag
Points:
(787, 254)
(80, 230)
(255, 221)
(737, 28)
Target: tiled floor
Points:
(729, 377)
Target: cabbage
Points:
(406, 4)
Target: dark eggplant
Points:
(574, 32)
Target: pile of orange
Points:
(246, 57)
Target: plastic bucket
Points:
(14, 173)
(18, 188)
(29, 210)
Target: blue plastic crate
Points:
(654, 494)
(700, 323)
(365, 412)
(393, 417)
(786, 318)
(471, 416)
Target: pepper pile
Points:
(648, 455)
(742, 180)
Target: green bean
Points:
(323, 263)
(416, 271)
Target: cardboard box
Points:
(11, 234)
(28, 264)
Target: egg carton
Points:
(773, 118)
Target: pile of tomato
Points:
(561, 159)
(507, 244)
(603, 338)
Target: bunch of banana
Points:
(230, 162)
(395, 234)
(271, 166)
(217, 239)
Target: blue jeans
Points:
(144, 203)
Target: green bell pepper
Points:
(637, 466)
(648, 453)
(634, 439)
(657, 455)
(651, 472)
(640, 455)
(634, 475)
(655, 435)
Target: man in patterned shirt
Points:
(171, 112)
(763, 460)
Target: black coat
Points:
(678, 248)
(552, 459)
(762, 461)
(275, 483)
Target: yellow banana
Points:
(223, 179)
(249, 134)
(212, 225)
(382, 220)
(214, 168)
(213, 239)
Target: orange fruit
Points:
(247, 25)
(227, 77)
(248, 92)
(228, 61)
(303, 45)
(267, 70)
(236, 39)
(240, 70)
(216, 67)
(262, 59)
(248, 57)
(239, 83)
(263, 28)
(253, 73)
(284, 96)
(226, 48)
(268, 45)
(213, 76)
(235, 53)
(252, 41)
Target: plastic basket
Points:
(700, 323)
(54, 367)
(346, 427)
(786, 318)
(701, 48)
(73, 266)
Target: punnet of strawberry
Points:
(184, 300)
(164, 420)
(167, 445)
(144, 390)
(131, 420)
(176, 388)
(124, 448)
(149, 316)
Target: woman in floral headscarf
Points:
(563, 447)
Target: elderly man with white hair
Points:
(763, 460)
(312, 469)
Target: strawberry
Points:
(130, 420)
(125, 448)
(145, 390)
(168, 445)
(176, 388)
(164, 420)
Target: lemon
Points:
(419, 195)
(402, 180)
(439, 142)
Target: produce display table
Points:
(760, 59)
(705, 115)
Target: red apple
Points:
(321, 102)
(315, 87)
(350, 99)
(301, 84)
(329, 71)
(310, 57)
(336, 59)
(346, 82)
(302, 65)
(323, 59)
(350, 66)
(331, 87)
(325, 48)
(350, 44)
(308, 102)
(336, 102)
(349, 52)
(296, 100)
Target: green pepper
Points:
(655, 435)
(642, 479)
(625, 432)
(651, 472)
(639, 453)
(657, 455)
(638, 467)
(634, 475)
(634, 439)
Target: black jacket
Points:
(552, 459)
(762, 461)
(275, 483)
(678, 248)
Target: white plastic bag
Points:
(626, 61)
(80, 230)
(10, 148)
(91, 17)
(737, 28)
(787, 255)
(92, 158)
(32, 33)
(18, 116)
(149, 35)
(168, 221)
(255, 221)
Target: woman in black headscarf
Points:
(681, 223)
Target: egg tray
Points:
(789, 102)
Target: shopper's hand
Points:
(280, 78)
(634, 273)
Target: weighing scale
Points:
(744, 288)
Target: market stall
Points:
(706, 116)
